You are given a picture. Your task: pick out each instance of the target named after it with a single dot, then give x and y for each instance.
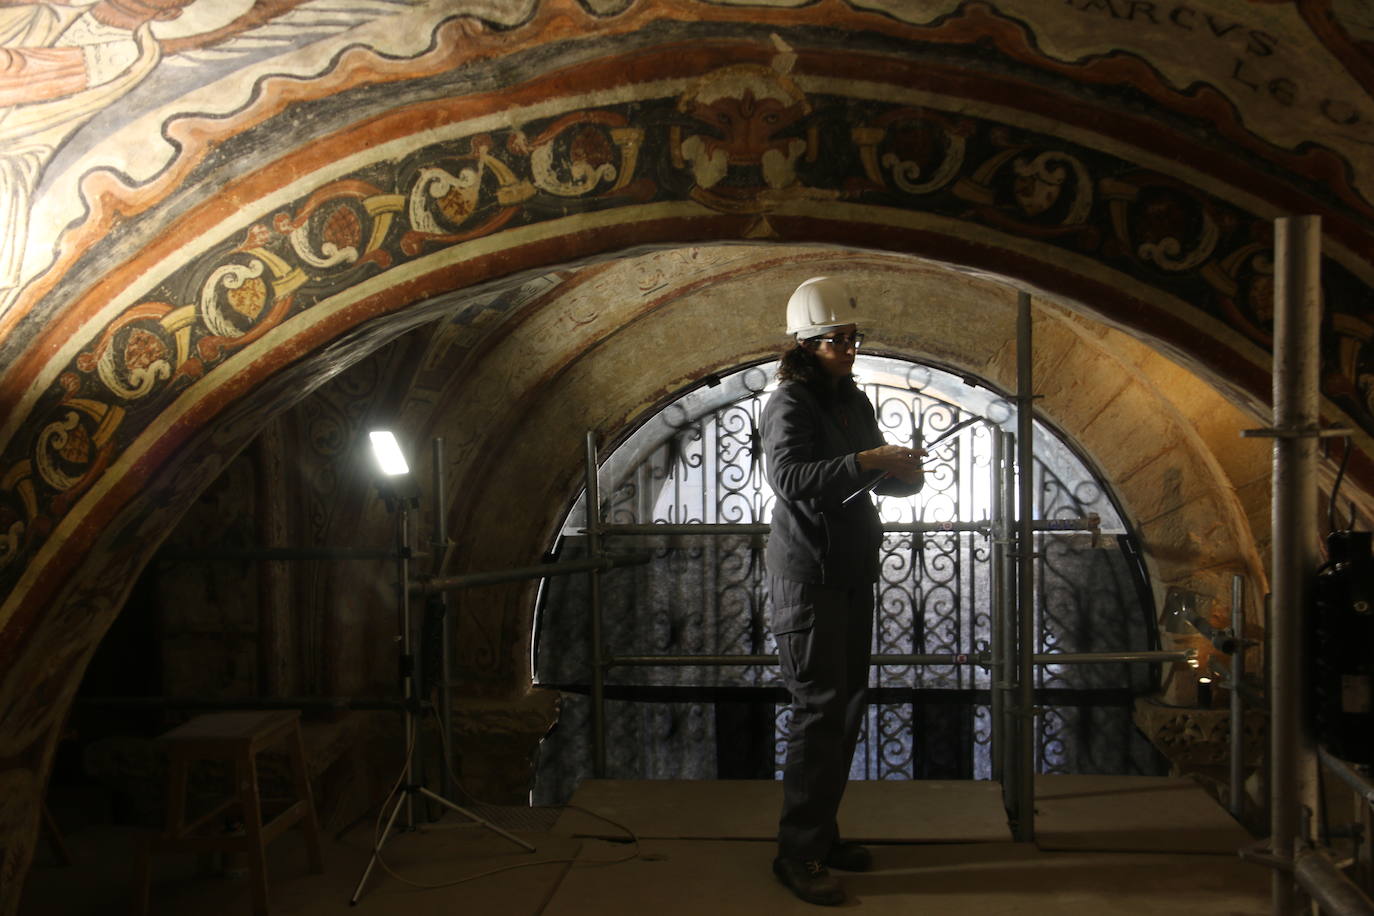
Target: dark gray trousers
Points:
(824, 639)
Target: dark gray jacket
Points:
(810, 450)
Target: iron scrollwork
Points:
(707, 595)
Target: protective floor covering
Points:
(1132, 813)
(935, 848)
(694, 877)
(101, 880)
(1104, 813)
(925, 811)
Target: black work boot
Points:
(809, 881)
(849, 857)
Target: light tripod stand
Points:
(404, 794)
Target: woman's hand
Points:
(894, 460)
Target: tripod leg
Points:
(401, 796)
(470, 816)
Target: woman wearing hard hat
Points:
(823, 447)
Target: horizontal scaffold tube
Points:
(1328, 886)
(1107, 658)
(207, 702)
(516, 574)
(274, 554)
(1352, 777)
(981, 658)
(1089, 523)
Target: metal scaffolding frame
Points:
(1010, 657)
(1300, 866)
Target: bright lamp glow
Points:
(388, 453)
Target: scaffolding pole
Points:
(1023, 773)
(1090, 523)
(981, 659)
(997, 560)
(1297, 355)
(593, 494)
(1005, 637)
(1237, 676)
(520, 573)
(1328, 886)
(439, 556)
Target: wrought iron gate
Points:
(699, 462)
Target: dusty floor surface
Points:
(1106, 846)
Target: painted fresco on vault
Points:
(1295, 71)
(1356, 17)
(744, 138)
(61, 66)
(743, 148)
(1346, 27)
(783, 144)
(72, 73)
(79, 73)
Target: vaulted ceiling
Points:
(576, 208)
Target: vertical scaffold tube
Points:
(1025, 575)
(1010, 729)
(1237, 799)
(1297, 328)
(999, 607)
(594, 598)
(440, 554)
(407, 653)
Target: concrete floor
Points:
(1107, 846)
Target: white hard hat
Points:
(819, 304)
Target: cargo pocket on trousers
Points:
(793, 612)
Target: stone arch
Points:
(1134, 412)
(306, 258)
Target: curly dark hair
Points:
(799, 364)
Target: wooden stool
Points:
(235, 736)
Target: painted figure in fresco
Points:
(822, 446)
(64, 61)
(60, 64)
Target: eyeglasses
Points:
(843, 341)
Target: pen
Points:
(934, 442)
